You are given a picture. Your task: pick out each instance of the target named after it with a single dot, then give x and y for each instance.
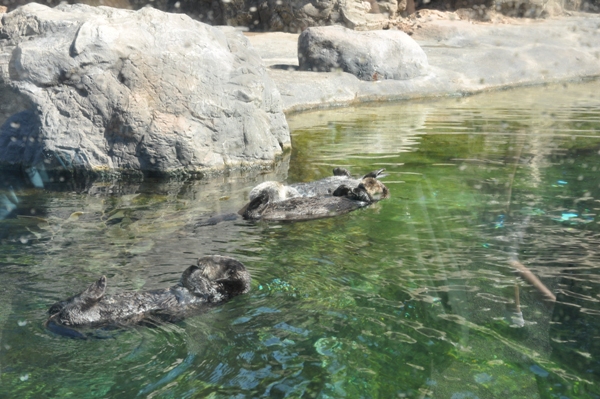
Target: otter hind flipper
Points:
(84, 300)
(93, 293)
(341, 172)
(375, 174)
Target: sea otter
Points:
(326, 186)
(344, 199)
(215, 279)
(274, 192)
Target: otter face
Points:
(217, 274)
(375, 188)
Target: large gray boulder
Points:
(371, 55)
(109, 90)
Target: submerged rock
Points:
(373, 55)
(119, 90)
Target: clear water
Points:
(407, 298)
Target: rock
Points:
(117, 90)
(291, 15)
(364, 15)
(528, 8)
(294, 15)
(373, 55)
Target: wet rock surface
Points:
(110, 90)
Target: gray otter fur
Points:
(277, 191)
(346, 199)
(326, 186)
(215, 279)
(341, 176)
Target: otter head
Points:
(375, 188)
(79, 309)
(216, 278)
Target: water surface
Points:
(411, 297)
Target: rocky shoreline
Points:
(465, 57)
(108, 92)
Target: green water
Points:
(404, 299)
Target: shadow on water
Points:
(419, 295)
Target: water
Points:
(411, 297)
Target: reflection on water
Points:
(415, 296)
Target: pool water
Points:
(413, 297)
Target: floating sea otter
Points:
(215, 279)
(344, 199)
(326, 186)
(331, 196)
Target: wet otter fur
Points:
(341, 176)
(215, 279)
(345, 199)
(277, 191)
(326, 186)
(300, 210)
